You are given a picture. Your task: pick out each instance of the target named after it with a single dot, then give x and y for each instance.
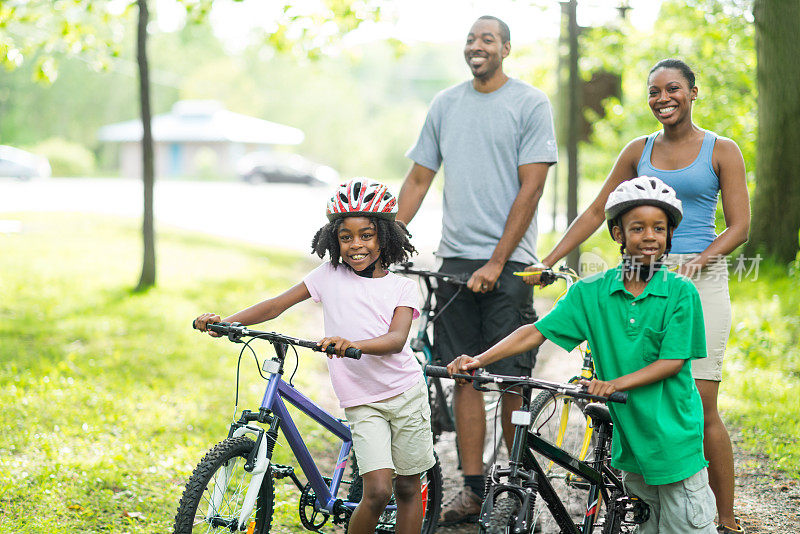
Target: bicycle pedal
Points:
(281, 471)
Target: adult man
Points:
(495, 137)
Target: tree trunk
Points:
(574, 118)
(148, 278)
(776, 201)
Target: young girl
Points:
(367, 307)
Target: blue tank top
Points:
(697, 187)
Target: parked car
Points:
(17, 163)
(261, 167)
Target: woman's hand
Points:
(690, 270)
(339, 343)
(534, 279)
(204, 319)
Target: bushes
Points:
(66, 158)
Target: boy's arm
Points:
(391, 342)
(523, 338)
(658, 370)
(258, 313)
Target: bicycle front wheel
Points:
(214, 495)
(560, 420)
(504, 514)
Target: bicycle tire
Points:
(505, 511)
(440, 398)
(232, 454)
(560, 420)
(432, 487)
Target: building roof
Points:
(204, 121)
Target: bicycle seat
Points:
(598, 412)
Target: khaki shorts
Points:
(394, 433)
(712, 284)
(686, 506)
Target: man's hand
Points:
(339, 343)
(484, 279)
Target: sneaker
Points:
(464, 506)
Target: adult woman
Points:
(699, 165)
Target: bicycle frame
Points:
(274, 411)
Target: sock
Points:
(475, 483)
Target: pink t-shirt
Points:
(357, 308)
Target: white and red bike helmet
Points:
(362, 197)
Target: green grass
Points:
(108, 397)
(761, 388)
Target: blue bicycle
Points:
(232, 488)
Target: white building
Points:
(198, 138)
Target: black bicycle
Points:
(511, 490)
(440, 395)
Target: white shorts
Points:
(394, 433)
(712, 284)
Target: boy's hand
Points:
(599, 388)
(202, 321)
(339, 343)
(463, 365)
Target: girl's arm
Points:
(590, 220)
(658, 370)
(391, 342)
(524, 338)
(258, 313)
(735, 205)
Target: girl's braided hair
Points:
(393, 238)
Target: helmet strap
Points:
(367, 271)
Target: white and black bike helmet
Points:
(642, 191)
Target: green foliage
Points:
(66, 158)
(109, 398)
(762, 367)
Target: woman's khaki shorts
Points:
(712, 284)
(394, 433)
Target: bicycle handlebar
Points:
(408, 268)
(235, 331)
(573, 390)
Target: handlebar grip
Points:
(436, 371)
(619, 396)
(350, 352)
(353, 353)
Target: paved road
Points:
(277, 215)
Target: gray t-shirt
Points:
(482, 139)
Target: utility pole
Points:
(573, 124)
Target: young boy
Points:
(644, 325)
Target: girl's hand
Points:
(339, 343)
(598, 387)
(463, 365)
(202, 321)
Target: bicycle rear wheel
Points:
(560, 420)
(215, 492)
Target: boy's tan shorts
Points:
(394, 433)
(683, 507)
(712, 284)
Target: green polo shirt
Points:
(659, 432)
